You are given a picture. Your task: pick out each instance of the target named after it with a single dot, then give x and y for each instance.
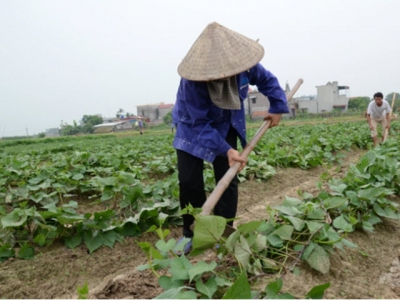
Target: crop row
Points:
(133, 178)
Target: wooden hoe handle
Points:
(222, 185)
(386, 134)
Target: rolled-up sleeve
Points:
(269, 86)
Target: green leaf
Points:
(207, 231)
(108, 181)
(274, 240)
(73, 241)
(108, 193)
(154, 253)
(317, 292)
(284, 232)
(164, 282)
(3, 210)
(186, 295)
(240, 289)
(166, 246)
(145, 246)
(167, 283)
(308, 250)
(290, 201)
(297, 223)
(93, 242)
(35, 181)
(179, 268)
(69, 219)
(242, 252)
(170, 294)
(83, 291)
(257, 242)
(319, 260)
(349, 244)
(341, 223)
(352, 196)
(15, 218)
(231, 240)
(334, 202)
(287, 210)
(26, 252)
(143, 267)
(367, 226)
(338, 189)
(200, 268)
(78, 176)
(109, 238)
(6, 252)
(40, 239)
(178, 247)
(366, 161)
(314, 226)
(129, 229)
(249, 227)
(273, 288)
(316, 214)
(209, 288)
(386, 212)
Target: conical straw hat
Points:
(218, 53)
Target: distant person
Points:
(140, 124)
(378, 112)
(209, 113)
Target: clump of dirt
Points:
(369, 271)
(136, 285)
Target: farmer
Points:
(140, 124)
(378, 112)
(209, 113)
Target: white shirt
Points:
(378, 112)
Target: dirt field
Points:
(370, 271)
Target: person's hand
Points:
(371, 127)
(234, 156)
(388, 126)
(274, 118)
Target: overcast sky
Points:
(60, 60)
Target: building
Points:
(256, 105)
(329, 97)
(154, 113)
(50, 132)
(113, 126)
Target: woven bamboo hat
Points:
(218, 53)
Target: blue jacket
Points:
(202, 126)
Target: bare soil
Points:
(370, 271)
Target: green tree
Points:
(389, 98)
(168, 118)
(67, 129)
(119, 113)
(89, 121)
(359, 103)
(92, 119)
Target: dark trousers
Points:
(191, 184)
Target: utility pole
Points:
(26, 129)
